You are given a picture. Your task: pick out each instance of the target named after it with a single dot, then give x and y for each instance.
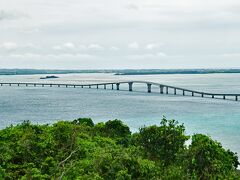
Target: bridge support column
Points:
(236, 98)
(82, 86)
(192, 93)
(34, 85)
(105, 86)
(149, 86)
(97, 86)
(161, 89)
(130, 86)
(117, 86)
(1, 84)
(58, 85)
(212, 96)
(166, 90)
(183, 93)
(10, 84)
(202, 95)
(66, 86)
(18, 84)
(26, 84)
(112, 86)
(224, 97)
(74, 86)
(175, 91)
(42, 85)
(50, 85)
(89, 86)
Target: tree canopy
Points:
(83, 150)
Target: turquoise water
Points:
(218, 118)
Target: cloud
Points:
(50, 56)
(69, 45)
(132, 7)
(75, 46)
(152, 46)
(148, 55)
(9, 46)
(113, 48)
(95, 47)
(7, 15)
(133, 45)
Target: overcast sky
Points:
(105, 34)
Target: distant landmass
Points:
(118, 71)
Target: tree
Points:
(209, 160)
(84, 121)
(163, 142)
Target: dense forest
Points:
(83, 150)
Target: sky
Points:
(111, 34)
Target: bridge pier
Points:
(166, 90)
(112, 86)
(202, 95)
(236, 98)
(192, 93)
(74, 86)
(66, 86)
(149, 86)
(118, 84)
(175, 91)
(42, 85)
(26, 84)
(212, 96)
(10, 84)
(105, 86)
(183, 93)
(89, 87)
(97, 86)
(161, 89)
(130, 86)
(34, 85)
(224, 97)
(18, 84)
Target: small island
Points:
(49, 77)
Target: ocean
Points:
(216, 117)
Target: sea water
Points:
(216, 117)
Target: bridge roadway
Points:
(162, 87)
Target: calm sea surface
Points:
(218, 118)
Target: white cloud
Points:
(59, 56)
(95, 47)
(147, 55)
(9, 46)
(114, 48)
(133, 45)
(152, 46)
(69, 45)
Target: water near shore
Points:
(218, 118)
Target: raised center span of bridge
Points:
(163, 89)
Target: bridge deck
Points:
(130, 83)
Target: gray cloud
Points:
(12, 15)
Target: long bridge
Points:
(163, 89)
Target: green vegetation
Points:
(83, 150)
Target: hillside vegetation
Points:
(83, 150)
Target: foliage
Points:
(208, 159)
(163, 142)
(82, 150)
